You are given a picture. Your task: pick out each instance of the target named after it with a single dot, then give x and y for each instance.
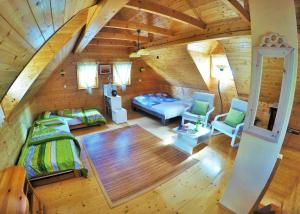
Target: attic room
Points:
(144, 106)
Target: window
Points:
(122, 73)
(87, 75)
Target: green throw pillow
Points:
(234, 117)
(200, 107)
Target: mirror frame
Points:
(257, 59)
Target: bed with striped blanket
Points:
(50, 148)
(88, 117)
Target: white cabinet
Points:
(114, 102)
(119, 115)
(114, 107)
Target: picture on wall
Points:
(105, 68)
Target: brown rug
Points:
(130, 161)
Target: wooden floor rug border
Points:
(128, 198)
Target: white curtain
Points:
(122, 73)
(87, 75)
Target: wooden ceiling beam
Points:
(112, 42)
(218, 31)
(194, 38)
(160, 10)
(105, 10)
(237, 7)
(43, 57)
(127, 25)
(121, 36)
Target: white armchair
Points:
(232, 132)
(201, 96)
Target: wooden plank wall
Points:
(176, 66)
(238, 52)
(294, 140)
(13, 134)
(14, 131)
(182, 68)
(53, 95)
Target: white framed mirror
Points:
(272, 49)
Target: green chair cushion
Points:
(200, 107)
(234, 117)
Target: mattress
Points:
(82, 116)
(162, 104)
(71, 121)
(170, 109)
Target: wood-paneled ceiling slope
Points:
(167, 22)
(34, 31)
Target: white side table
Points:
(187, 141)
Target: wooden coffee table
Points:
(191, 141)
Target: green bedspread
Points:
(86, 116)
(48, 150)
(43, 134)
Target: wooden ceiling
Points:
(27, 25)
(169, 20)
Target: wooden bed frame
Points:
(54, 177)
(80, 126)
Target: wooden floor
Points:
(130, 160)
(196, 190)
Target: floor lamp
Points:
(220, 76)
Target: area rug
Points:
(130, 161)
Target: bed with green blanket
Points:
(50, 148)
(82, 116)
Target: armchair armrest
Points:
(238, 128)
(220, 116)
(208, 115)
(188, 108)
(210, 111)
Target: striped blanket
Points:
(49, 150)
(86, 116)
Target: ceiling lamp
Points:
(139, 51)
